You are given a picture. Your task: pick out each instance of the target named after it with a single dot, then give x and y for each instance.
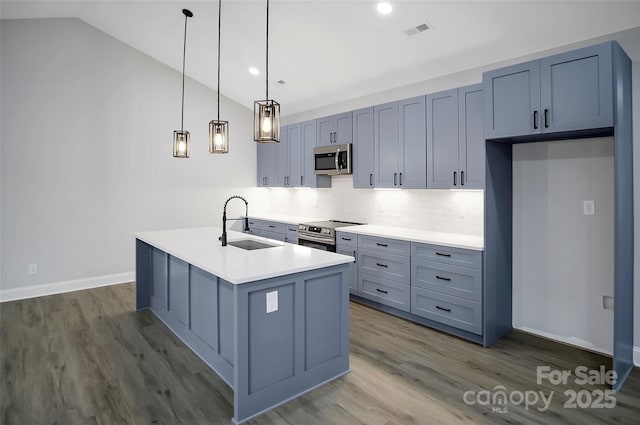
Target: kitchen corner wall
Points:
(439, 210)
(86, 151)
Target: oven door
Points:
(317, 243)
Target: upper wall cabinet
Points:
(266, 164)
(282, 164)
(455, 139)
(363, 148)
(336, 129)
(566, 92)
(400, 143)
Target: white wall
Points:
(563, 259)
(636, 203)
(86, 153)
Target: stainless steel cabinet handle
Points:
(400, 179)
(395, 179)
(301, 180)
(455, 178)
(461, 178)
(371, 179)
(535, 120)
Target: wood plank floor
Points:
(87, 357)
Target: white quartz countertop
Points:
(201, 247)
(283, 218)
(454, 240)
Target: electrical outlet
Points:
(607, 302)
(33, 269)
(589, 207)
(272, 301)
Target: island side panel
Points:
(143, 275)
(197, 307)
(282, 354)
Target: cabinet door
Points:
(363, 148)
(343, 128)
(294, 140)
(412, 133)
(353, 276)
(385, 136)
(442, 142)
(471, 156)
(308, 133)
(266, 164)
(577, 90)
(512, 100)
(326, 128)
(282, 158)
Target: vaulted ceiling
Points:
(327, 51)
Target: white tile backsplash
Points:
(439, 210)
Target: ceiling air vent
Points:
(417, 29)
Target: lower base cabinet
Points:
(436, 286)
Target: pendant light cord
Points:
(219, 25)
(267, 71)
(184, 54)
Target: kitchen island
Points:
(272, 322)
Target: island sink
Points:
(250, 244)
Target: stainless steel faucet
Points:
(223, 238)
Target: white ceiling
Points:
(329, 51)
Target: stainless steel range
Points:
(321, 234)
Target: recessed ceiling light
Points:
(384, 8)
(254, 71)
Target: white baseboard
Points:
(636, 356)
(66, 286)
(576, 342)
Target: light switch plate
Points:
(589, 208)
(272, 301)
(607, 302)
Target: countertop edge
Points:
(357, 230)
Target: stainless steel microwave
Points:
(332, 160)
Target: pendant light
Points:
(219, 130)
(181, 137)
(266, 118)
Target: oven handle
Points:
(315, 239)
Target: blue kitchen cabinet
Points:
(294, 142)
(412, 173)
(570, 91)
(442, 140)
(455, 142)
(266, 170)
(471, 156)
(400, 144)
(282, 158)
(512, 100)
(386, 145)
(363, 148)
(308, 178)
(577, 90)
(335, 129)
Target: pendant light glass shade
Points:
(219, 130)
(181, 137)
(266, 113)
(266, 121)
(218, 136)
(181, 144)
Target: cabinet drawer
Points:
(253, 223)
(453, 311)
(273, 226)
(459, 281)
(291, 230)
(346, 239)
(443, 254)
(388, 266)
(390, 246)
(272, 235)
(384, 291)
